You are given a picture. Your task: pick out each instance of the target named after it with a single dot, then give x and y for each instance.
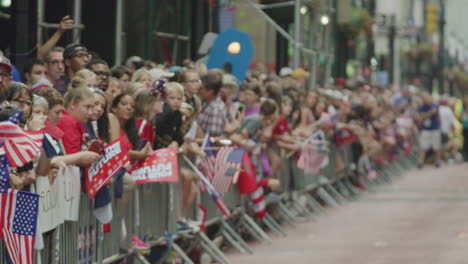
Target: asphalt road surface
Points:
(421, 217)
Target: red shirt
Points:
(73, 133)
(145, 131)
(281, 127)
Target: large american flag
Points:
(21, 146)
(228, 161)
(20, 222)
(314, 153)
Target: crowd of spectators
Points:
(158, 106)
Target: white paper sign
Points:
(60, 201)
(69, 192)
(49, 207)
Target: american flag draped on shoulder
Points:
(21, 146)
(314, 153)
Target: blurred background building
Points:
(418, 42)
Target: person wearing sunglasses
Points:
(101, 69)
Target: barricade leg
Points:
(301, 209)
(347, 182)
(339, 198)
(233, 242)
(269, 219)
(236, 236)
(345, 193)
(181, 253)
(252, 231)
(288, 216)
(326, 197)
(256, 227)
(312, 203)
(210, 252)
(215, 249)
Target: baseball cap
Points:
(285, 71)
(73, 49)
(299, 73)
(157, 74)
(5, 62)
(174, 69)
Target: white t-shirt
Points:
(447, 119)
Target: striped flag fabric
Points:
(258, 199)
(314, 153)
(215, 196)
(211, 190)
(207, 165)
(19, 227)
(228, 162)
(21, 146)
(4, 183)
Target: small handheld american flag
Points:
(228, 161)
(21, 146)
(314, 153)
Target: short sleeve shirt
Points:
(213, 117)
(74, 133)
(432, 122)
(252, 124)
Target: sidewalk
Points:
(421, 217)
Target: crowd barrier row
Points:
(149, 211)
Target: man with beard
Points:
(101, 69)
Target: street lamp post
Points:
(297, 33)
(441, 59)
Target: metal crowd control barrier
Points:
(149, 211)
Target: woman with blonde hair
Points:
(142, 76)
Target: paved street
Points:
(422, 217)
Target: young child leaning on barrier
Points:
(169, 135)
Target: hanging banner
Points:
(160, 166)
(114, 157)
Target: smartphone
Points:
(97, 145)
(240, 110)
